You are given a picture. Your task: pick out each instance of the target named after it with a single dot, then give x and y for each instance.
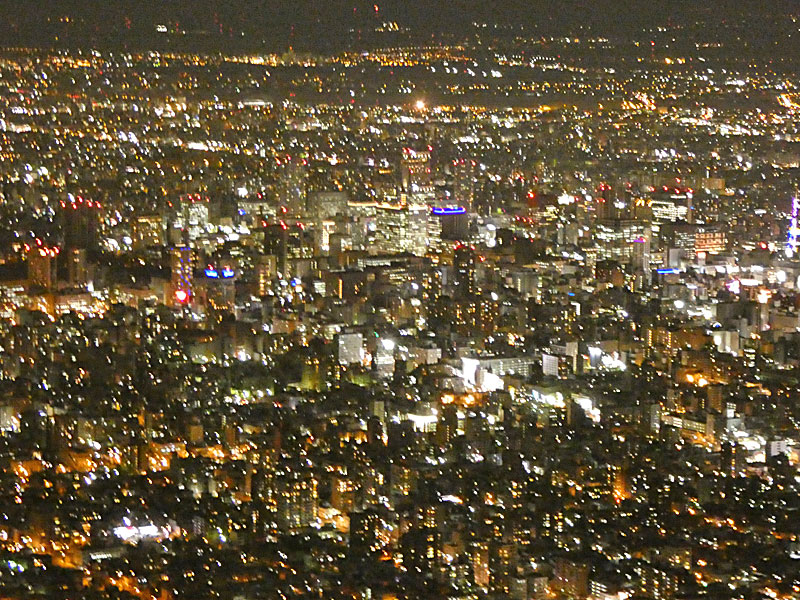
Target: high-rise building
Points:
(479, 554)
(276, 243)
(453, 221)
(42, 263)
(464, 182)
(326, 205)
(404, 229)
(420, 550)
(672, 204)
(190, 217)
(79, 220)
(625, 241)
(369, 532)
(147, 232)
(416, 170)
(351, 348)
(285, 242)
(219, 286)
(604, 203)
(571, 578)
(266, 271)
(464, 267)
(181, 274)
(657, 582)
(710, 241)
(297, 501)
(292, 187)
(77, 267)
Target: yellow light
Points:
(420, 104)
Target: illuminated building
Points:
(464, 267)
(266, 271)
(369, 531)
(487, 373)
(672, 205)
(326, 205)
(479, 553)
(468, 314)
(220, 286)
(454, 222)
(710, 242)
(297, 501)
(659, 583)
(794, 230)
(554, 365)
(404, 229)
(292, 187)
(604, 203)
(286, 242)
(276, 245)
(42, 263)
(624, 241)
(351, 348)
(502, 565)
(190, 219)
(181, 274)
(147, 232)
(527, 282)
(420, 544)
(342, 493)
(464, 180)
(695, 239)
(416, 171)
(383, 358)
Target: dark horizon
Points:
(319, 26)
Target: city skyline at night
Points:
(390, 300)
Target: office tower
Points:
(464, 267)
(42, 263)
(266, 271)
(181, 274)
(415, 170)
(369, 532)
(78, 219)
(404, 229)
(189, 216)
(672, 204)
(626, 242)
(710, 240)
(292, 187)
(453, 221)
(343, 493)
(326, 205)
(604, 203)
(220, 286)
(351, 348)
(147, 232)
(297, 501)
(464, 180)
(276, 244)
(77, 267)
